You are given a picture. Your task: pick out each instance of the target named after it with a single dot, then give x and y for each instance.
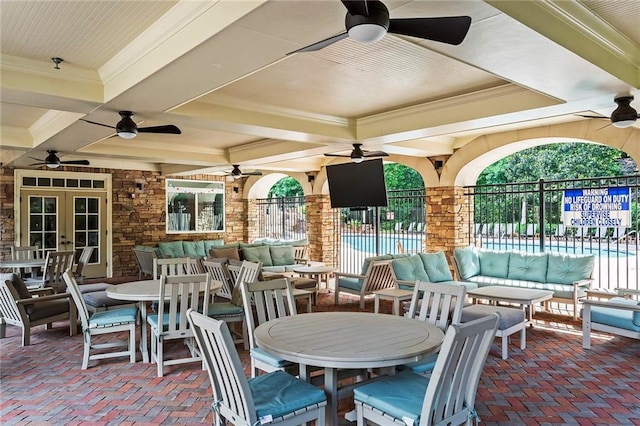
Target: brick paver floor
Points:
(552, 382)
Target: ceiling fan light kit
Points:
(625, 115)
(126, 128)
(358, 154)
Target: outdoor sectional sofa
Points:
(432, 267)
(567, 275)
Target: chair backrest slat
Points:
(219, 272)
(272, 299)
(145, 262)
(228, 381)
(76, 294)
(181, 293)
(451, 392)
(55, 264)
(431, 300)
(171, 266)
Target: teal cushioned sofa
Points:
(567, 275)
(275, 255)
(432, 267)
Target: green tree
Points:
(286, 187)
(556, 162)
(399, 176)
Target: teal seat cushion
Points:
(409, 269)
(267, 358)
(257, 254)
(282, 255)
(113, 317)
(436, 266)
(400, 395)
(620, 318)
(494, 263)
(467, 261)
(350, 283)
(528, 266)
(222, 309)
(423, 366)
(468, 284)
(567, 268)
(171, 249)
(194, 249)
(276, 269)
(278, 393)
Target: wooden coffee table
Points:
(318, 272)
(525, 297)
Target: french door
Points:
(61, 219)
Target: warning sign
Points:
(597, 208)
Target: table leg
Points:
(143, 332)
(331, 389)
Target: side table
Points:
(394, 294)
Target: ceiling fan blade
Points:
(251, 174)
(97, 124)
(37, 164)
(449, 29)
(338, 155)
(356, 7)
(81, 162)
(169, 128)
(321, 44)
(591, 116)
(374, 154)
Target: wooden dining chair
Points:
(171, 266)
(103, 322)
(83, 260)
(56, 262)
(227, 311)
(271, 299)
(179, 293)
(25, 253)
(439, 305)
(447, 397)
(274, 398)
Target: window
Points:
(194, 206)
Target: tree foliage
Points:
(557, 161)
(286, 187)
(399, 176)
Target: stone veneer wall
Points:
(136, 221)
(447, 220)
(320, 229)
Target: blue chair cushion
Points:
(278, 393)
(400, 395)
(194, 249)
(221, 309)
(436, 266)
(409, 269)
(171, 249)
(350, 283)
(267, 358)
(113, 317)
(620, 318)
(424, 365)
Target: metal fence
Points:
(282, 217)
(399, 227)
(528, 217)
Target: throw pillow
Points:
(567, 268)
(194, 249)
(467, 262)
(171, 249)
(229, 253)
(494, 263)
(257, 254)
(436, 266)
(528, 267)
(409, 269)
(282, 255)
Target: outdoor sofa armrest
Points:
(33, 300)
(41, 291)
(583, 283)
(627, 292)
(610, 304)
(407, 283)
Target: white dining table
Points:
(143, 292)
(347, 340)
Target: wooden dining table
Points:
(347, 340)
(142, 292)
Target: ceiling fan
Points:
(53, 161)
(128, 129)
(237, 173)
(622, 117)
(358, 154)
(367, 21)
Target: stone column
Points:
(320, 229)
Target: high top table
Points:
(142, 292)
(347, 340)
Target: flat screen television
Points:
(357, 185)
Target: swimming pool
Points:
(413, 243)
